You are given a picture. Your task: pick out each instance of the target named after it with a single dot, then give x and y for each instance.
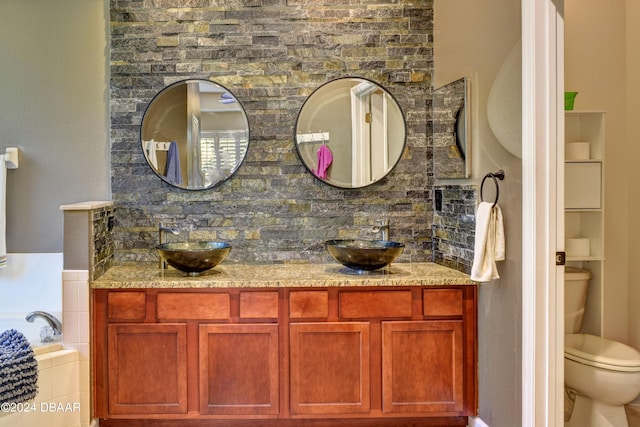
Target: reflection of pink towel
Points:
(325, 157)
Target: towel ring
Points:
(495, 176)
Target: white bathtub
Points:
(31, 331)
(59, 401)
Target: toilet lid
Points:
(601, 352)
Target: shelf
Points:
(584, 203)
(578, 112)
(582, 259)
(578, 210)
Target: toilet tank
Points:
(576, 286)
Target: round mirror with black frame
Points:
(350, 132)
(194, 134)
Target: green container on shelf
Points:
(569, 97)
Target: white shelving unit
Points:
(584, 205)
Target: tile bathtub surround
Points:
(76, 331)
(271, 55)
(59, 401)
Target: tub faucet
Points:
(161, 230)
(53, 322)
(382, 227)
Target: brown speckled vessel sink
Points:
(194, 257)
(364, 255)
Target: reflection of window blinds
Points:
(222, 150)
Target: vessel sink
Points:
(194, 257)
(364, 255)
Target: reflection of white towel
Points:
(3, 211)
(151, 154)
(489, 245)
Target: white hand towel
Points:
(3, 211)
(151, 154)
(489, 243)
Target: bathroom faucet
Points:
(161, 230)
(53, 322)
(382, 227)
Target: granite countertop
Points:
(279, 275)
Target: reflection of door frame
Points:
(542, 217)
(360, 134)
(194, 178)
(369, 134)
(379, 135)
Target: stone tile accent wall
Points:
(88, 237)
(454, 225)
(271, 54)
(102, 244)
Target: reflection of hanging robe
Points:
(325, 158)
(173, 172)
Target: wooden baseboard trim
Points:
(351, 422)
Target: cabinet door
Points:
(330, 371)
(239, 369)
(147, 368)
(422, 366)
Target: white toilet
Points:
(603, 374)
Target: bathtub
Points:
(59, 401)
(30, 330)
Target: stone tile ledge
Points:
(86, 206)
(279, 276)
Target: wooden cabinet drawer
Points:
(442, 302)
(193, 306)
(375, 304)
(259, 305)
(126, 306)
(309, 304)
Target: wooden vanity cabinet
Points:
(186, 353)
(394, 356)
(383, 352)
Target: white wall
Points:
(54, 107)
(31, 282)
(473, 39)
(596, 67)
(633, 151)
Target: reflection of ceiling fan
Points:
(227, 98)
